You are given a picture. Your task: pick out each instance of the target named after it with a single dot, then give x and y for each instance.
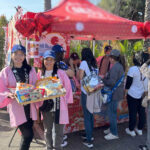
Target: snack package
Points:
(12, 90)
(26, 95)
(52, 86)
(23, 92)
(37, 94)
(23, 95)
(21, 86)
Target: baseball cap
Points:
(57, 49)
(74, 56)
(115, 52)
(48, 53)
(18, 47)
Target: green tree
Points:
(147, 18)
(131, 9)
(127, 49)
(47, 5)
(3, 23)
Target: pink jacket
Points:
(64, 100)
(16, 111)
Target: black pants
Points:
(135, 107)
(27, 135)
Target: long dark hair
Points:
(59, 56)
(87, 55)
(139, 58)
(121, 60)
(24, 65)
(43, 69)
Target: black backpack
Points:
(47, 105)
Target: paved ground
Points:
(125, 142)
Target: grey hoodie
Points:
(114, 74)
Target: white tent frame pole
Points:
(27, 57)
(93, 45)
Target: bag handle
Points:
(142, 79)
(118, 83)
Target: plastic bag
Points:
(92, 82)
(106, 95)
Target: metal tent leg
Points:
(12, 137)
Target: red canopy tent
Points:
(81, 19)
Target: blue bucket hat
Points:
(57, 49)
(18, 47)
(49, 53)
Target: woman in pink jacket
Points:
(55, 111)
(20, 116)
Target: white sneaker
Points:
(64, 144)
(88, 144)
(139, 132)
(110, 136)
(107, 131)
(132, 133)
(65, 137)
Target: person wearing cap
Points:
(136, 85)
(104, 62)
(20, 116)
(55, 111)
(113, 76)
(60, 54)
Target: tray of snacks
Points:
(52, 85)
(45, 89)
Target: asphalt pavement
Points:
(125, 142)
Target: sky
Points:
(7, 7)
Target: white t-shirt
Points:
(49, 74)
(138, 86)
(84, 66)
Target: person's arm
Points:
(83, 69)
(6, 96)
(128, 82)
(111, 79)
(67, 85)
(70, 73)
(81, 74)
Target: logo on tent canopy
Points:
(49, 40)
(77, 8)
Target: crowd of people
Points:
(110, 68)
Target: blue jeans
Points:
(112, 115)
(148, 125)
(88, 118)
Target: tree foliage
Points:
(3, 23)
(131, 9)
(47, 5)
